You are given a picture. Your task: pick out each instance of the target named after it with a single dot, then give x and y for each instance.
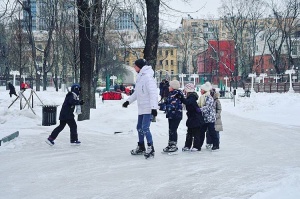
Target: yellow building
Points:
(166, 64)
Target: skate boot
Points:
(195, 149)
(50, 141)
(215, 148)
(140, 149)
(185, 149)
(171, 147)
(208, 146)
(75, 143)
(150, 151)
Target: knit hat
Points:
(140, 63)
(206, 86)
(189, 88)
(175, 84)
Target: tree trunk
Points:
(150, 51)
(85, 57)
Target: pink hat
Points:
(189, 88)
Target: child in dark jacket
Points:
(195, 120)
(174, 115)
(67, 117)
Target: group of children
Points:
(203, 113)
(203, 116)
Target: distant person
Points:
(164, 89)
(174, 115)
(67, 117)
(12, 90)
(24, 86)
(147, 100)
(122, 88)
(218, 123)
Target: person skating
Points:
(67, 116)
(12, 90)
(206, 103)
(174, 115)
(145, 94)
(194, 137)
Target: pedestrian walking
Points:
(66, 116)
(145, 94)
(12, 90)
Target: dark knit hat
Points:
(140, 63)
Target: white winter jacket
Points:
(145, 91)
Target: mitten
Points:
(154, 112)
(125, 104)
(81, 102)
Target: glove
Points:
(179, 95)
(81, 102)
(154, 112)
(125, 104)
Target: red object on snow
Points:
(111, 96)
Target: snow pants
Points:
(73, 129)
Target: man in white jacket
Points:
(147, 99)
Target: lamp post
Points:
(182, 76)
(194, 76)
(226, 79)
(252, 75)
(276, 78)
(290, 72)
(24, 76)
(113, 78)
(14, 73)
(263, 76)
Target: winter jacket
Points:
(12, 89)
(218, 109)
(145, 91)
(194, 116)
(174, 105)
(208, 110)
(68, 107)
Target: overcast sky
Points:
(196, 8)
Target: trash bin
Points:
(49, 115)
(247, 93)
(222, 93)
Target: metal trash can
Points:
(247, 93)
(49, 115)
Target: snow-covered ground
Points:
(259, 156)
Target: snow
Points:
(258, 156)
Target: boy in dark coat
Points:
(12, 90)
(67, 117)
(195, 120)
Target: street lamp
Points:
(182, 76)
(194, 76)
(252, 75)
(263, 76)
(226, 79)
(290, 72)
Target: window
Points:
(172, 62)
(160, 52)
(171, 52)
(167, 62)
(167, 53)
(160, 62)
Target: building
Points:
(166, 65)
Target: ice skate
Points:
(50, 142)
(140, 149)
(75, 143)
(150, 152)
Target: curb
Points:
(9, 137)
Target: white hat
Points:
(206, 86)
(175, 84)
(189, 88)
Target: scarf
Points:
(77, 107)
(202, 99)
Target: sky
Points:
(196, 9)
(258, 156)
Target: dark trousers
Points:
(173, 126)
(194, 137)
(10, 94)
(62, 123)
(210, 127)
(208, 137)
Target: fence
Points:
(273, 87)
